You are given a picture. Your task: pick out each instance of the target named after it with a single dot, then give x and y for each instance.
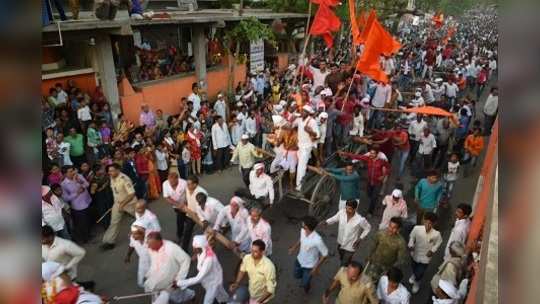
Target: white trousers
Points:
(215, 292)
(304, 153)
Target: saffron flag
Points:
(324, 24)
(377, 42)
(326, 2)
(354, 24)
(438, 19)
(367, 24)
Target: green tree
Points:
(250, 29)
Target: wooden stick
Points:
(219, 237)
(349, 89)
(137, 295)
(306, 40)
(103, 216)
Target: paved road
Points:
(114, 278)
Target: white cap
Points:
(244, 136)
(438, 79)
(51, 269)
(237, 200)
(308, 109)
(397, 193)
(239, 104)
(326, 92)
(258, 166)
(278, 108)
(219, 95)
(138, 224)
(240, 116)
(282, 103)
(292, 67)
(278, 120)
(418, 94)
(199, 241)
(323, 115)
(448, 288)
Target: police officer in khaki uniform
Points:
(124, 201)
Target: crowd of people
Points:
(97, 169)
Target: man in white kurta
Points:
(150, 220)
(237, 217)
(260, 184)
(168, 265)
(208, 208)
(210, 274)
(137, 243)
(259, 229)
(461, 228)
(308, 134)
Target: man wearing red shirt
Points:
(377, 170)
(345, 118)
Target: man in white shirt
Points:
(62, 96)
(195, 99)
(381, 97)
(190, 209)
(251, 126)
(418, 100)
(60, 250)
(137, 243)
(208, 209)
(490, 109)
(451, 90)
(259, 229)
(221, 140)
(350, 223)
(312, 253)
(174, 192)
(390, 290)
(150, 220)
(415, 130)
(51, 212)
(425, 149)
(83, 114)
(237, 217)
(319, 75)
(261, 185)
(428, 93)
(424, 241)
(64, 149)
(461, 228)
(210, 273)
(308, 133)
(169, 264)
(220, 107)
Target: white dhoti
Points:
(173, 295)
(215, 292)
(304, 153)
(342, 203)
(142, 270)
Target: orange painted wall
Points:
(86, 82)
(166, 95)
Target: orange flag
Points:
(324, 24)
(367, 24)
(438, 19)
(354, 24)
(377, 42)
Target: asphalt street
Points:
(114, 278)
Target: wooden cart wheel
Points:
(324, 195)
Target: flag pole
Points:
(349, 89)
(306, 40)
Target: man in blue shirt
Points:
(427, 194)
(349, 182)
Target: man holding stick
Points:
(124, 201)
